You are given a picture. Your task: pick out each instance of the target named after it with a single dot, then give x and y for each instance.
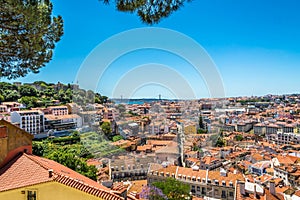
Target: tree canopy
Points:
(173, 189)
(149, 11)
(73, 155)
(106, 128)
(45, 94)
(28, 33)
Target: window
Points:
(231, 194)
(223, 194)
(193, 189)
(216, 192)
(198, 188)
(203, 191)
(31, 195)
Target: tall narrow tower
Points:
(180, 141)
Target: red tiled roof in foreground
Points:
(26, 170)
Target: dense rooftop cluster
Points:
(229, 148)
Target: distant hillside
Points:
(42, 94)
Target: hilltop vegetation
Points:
(98, 145)
(67, 151)
(42, 94)
(73, 151)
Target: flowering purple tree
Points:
(152, 193)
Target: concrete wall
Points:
(17, 141)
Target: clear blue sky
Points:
(255, 44)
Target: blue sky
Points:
(254, 44)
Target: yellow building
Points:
(190, 129)
(29, 177)
(24, 176)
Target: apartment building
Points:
(73, 108)
(259, 168)
(59, 110)
(11, 106)
(3, 109)
(281, 138)
(203, 183)
(284, 173)
(210, 163)
(244, 126)
(272, 129)
(31, 121)
(62, 122)
(259, 129)
(129, 167)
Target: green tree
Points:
(173, 189)
(100, 99)
(201, 131)
(7, 86)
(149, 12)
(28, 33)
(106, 128)
(117, 138)
(73, 156)
(1, 98)
(12, 95)
(27, 90)
(49, 92)
(30, 102)
(74, 162)
(201, 124)
(217, 140)
(238, 137)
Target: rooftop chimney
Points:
(255, 197)
(272, 187)
(242, 188)
(50, 173)
(223, 172)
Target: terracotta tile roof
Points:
(195, 160)
(257, 157)
(208, 160)
(197, 198)
(119, 187)
(297, 193)
(171, 148)
(287, 159)
(158, 142)
(269, 196)
(231, 177)
(60, 117)
(270, 170)
(190, 172)
(32, 170)
(154, 167)
(144, 148)
(26, 171)
(170, 169)
(281, 189)
(137, 186)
